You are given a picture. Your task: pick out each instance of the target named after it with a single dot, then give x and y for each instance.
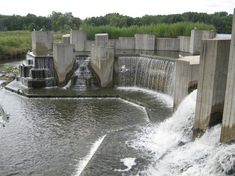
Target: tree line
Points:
(57, 21)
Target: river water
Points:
(53, 136)
(105, 133)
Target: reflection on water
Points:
(48, 136)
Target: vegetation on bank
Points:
(159, 30)
(14, 43)
(57, 21)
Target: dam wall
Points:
(145, 42)
(186, 77)
(102, 60)
(228, 124)
(63, 60)
(42, 43)
(213, 71)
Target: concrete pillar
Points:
(78, 38)
(66, 39)
(144, 42)
(186, 79)
(102, 60)
(196, 39)
(63, 60)
(42, 43)
(184, 43)
(101, 40)
(228, 124)
(211, 84)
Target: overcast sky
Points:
(134, 8)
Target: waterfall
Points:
(173, 151)
(83, 77)
(145, 72)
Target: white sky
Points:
(134, 8)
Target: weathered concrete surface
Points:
(78, 38)
(63, 60)
(196, 39)
(66, 39)
(42, 43)
(102, 60)
(228, 125)
(184, 43)
(186, 79)
(211, 84)
(125, 43)
(144, 42)
(167, 44)
(88, 45)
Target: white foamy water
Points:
(82, 163)
(167, 100)
(174, 153)
(128, 162)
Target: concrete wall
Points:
(196, 39)
(187, 72)
(184, 43)
(228, 125)
(42, 43)
(102, 60)
(127, 43)
(66, 39)
(168, 44)
(78, 38)
(63, 60)
(144, 42)
(212, 83)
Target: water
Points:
(172, 151)
(52, 136)
(144, 72)
(83, 78)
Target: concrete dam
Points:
(138, 105)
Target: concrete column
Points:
(144, 42)
(184, 43)
(42, 43)
(102, 60)
(78, 38)
(66, 39)
(211, 84)
(186, 79)
(63, 60)
(196, 39)
(228, 125)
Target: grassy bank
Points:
(159, 30)
(14, 43)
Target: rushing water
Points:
(83, 78)
(145, 72)
(173, 152)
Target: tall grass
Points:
(159, 30)
(14, 42)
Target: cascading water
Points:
(83, 77)
(174, 153)
(145, 72)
